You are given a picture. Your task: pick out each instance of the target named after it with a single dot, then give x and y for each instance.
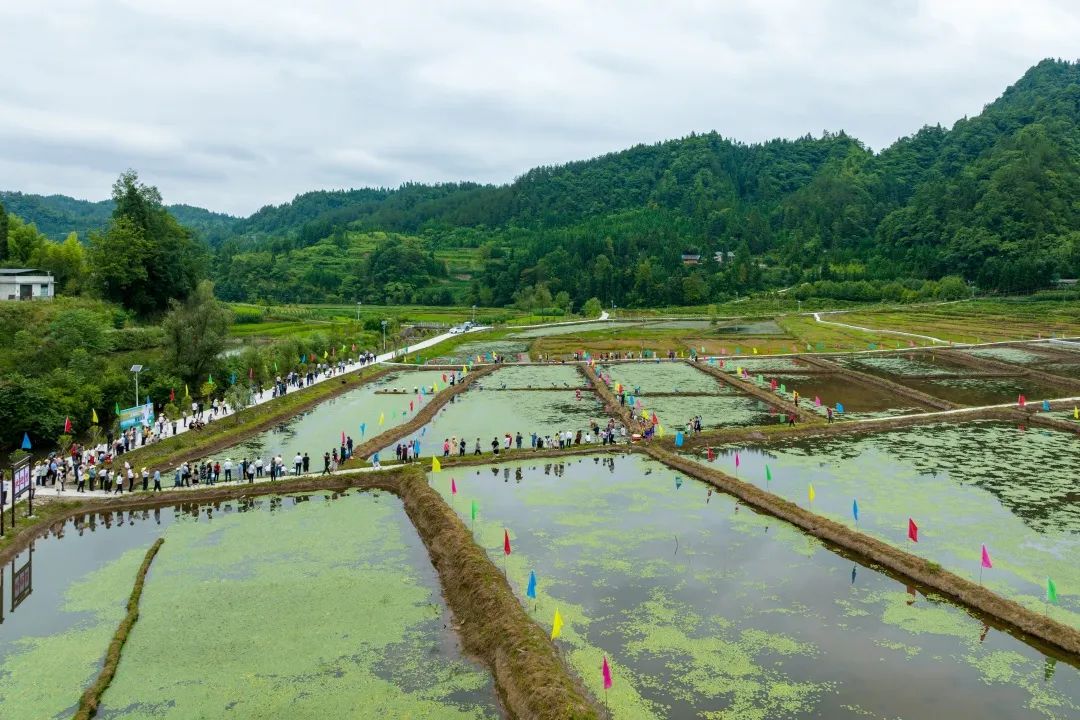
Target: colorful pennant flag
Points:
(472, 511)
(382, 418)
(67, 426)
(912, 530)
(506, 541)
(26, 441)
(986, 558)
(855, 509)
(453, 487)
(1051, 591)
(606, 671)
(811, 492)
(556, 626)
(531, 590)
(436, 466)
(93, 416)
(768, 474)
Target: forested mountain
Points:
(994, 200)
(58, 215)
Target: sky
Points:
(236, 104)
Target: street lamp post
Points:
(384, 335)
(358, 304)
(474, 314)
(136, 369)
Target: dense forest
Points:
(991, 201)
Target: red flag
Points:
(172, 395)
(506, 542)
(606, 670)
(912, 530)
(1021, 401)
(986, 558)
(453, 487)
(410, 405)
(655, 420)
(712, 456)
(67, 426)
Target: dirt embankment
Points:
(767, 396)
(611, 403)
(425, 415)
(532, 680)
(926, 573)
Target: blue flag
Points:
(839, 408)
(423, 431)
(363, 427)
(1046, 406)
(855, 509)
(678, 483)
(531, 590)
(26, 441)
(678, 439)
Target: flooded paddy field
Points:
(1029, 356)
(485, 414)
(727, 408)
(908, 364)
(535, 376)
(298, 606)
(705, 609)
(986, 391)
(755, 365)
(860, 400)
(964, 486)
(643, 378)
(319, 429)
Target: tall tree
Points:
(195, 332)
(3, 233)
(145, 258)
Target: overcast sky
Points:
(235, 104)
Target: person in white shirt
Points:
(298, 461)
(227, 467)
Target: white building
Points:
(25, 284)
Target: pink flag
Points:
(506, 542)
(606, 669)
(817, 401)
(453, 487)
(986, 558)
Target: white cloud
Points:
(235, 104)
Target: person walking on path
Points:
(157, 481)
(326, 464)
(298, 462)
(228, 469)
(306, 464)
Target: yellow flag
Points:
(660, 430)
(382, 418)
(738, 371)
(1076, 413)
(436, 466)
(325, 354)
(811, 492)
(436, 385)
(463, 370)
(755, 351)
(556, 626)
(93, 416)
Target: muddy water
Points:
(707, 610)
(485, 414)
(1016, 356)
(964, 485)
(319, 430)
(859, 399)
(294, 606)
(468, 352)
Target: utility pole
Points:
(136, 369)
(384, 335)
(358, 304)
